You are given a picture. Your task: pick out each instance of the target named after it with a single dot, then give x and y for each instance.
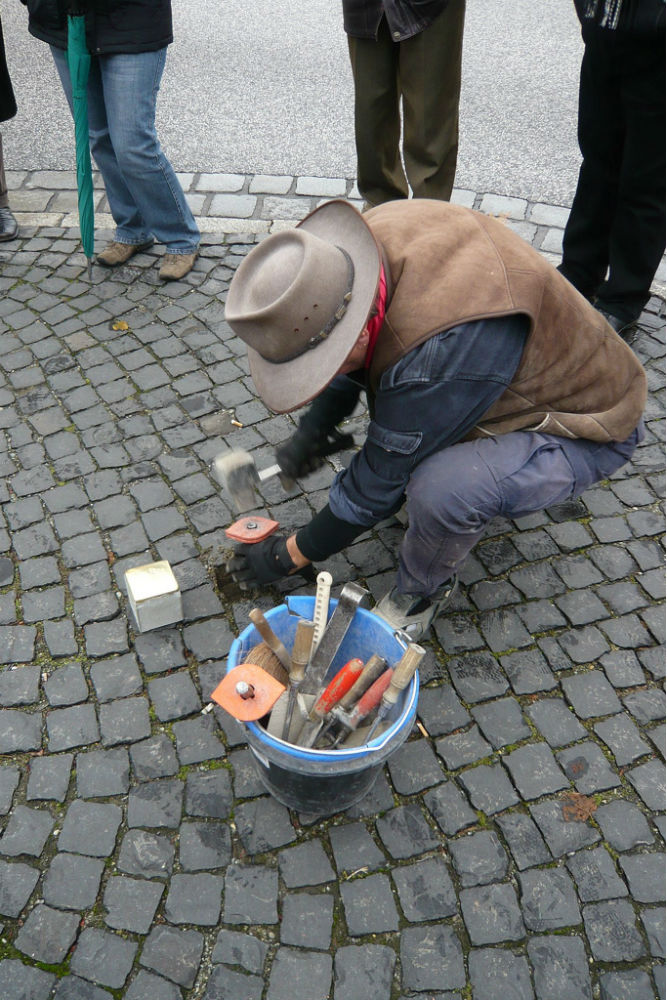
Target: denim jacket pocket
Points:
(391, 454)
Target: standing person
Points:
(128, 44)
(495, 389)
(409, 53)
(615, 235)
(8, 224)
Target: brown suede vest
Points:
(449, 265)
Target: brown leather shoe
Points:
(115, 254)
(176, 265)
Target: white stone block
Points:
(154, 595)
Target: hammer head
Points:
(237, 473)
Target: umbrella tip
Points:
(90, 268)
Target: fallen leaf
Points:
(577, 808)
(120, 324)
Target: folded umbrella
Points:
(78, 60)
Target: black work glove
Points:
(305, 452)
(260, 563)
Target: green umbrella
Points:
(78, 60)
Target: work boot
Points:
(9, 227)
(115, 254)
(625, 328)
(412, 613)
(177, 265)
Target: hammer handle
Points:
(270, 638)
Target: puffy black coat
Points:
(112, 26)
(7, 102)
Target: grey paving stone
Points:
(48, 777)
(106, 638)
(239, 948)
(66, 686)
(588, 768)
(491, 914)
(502, 722)
(16, 884)
(150, 855)
(646, 706)
(557, 723)
(476, 677)
(653, 660)
(22, 982)
(131, 903)
(496, 974)
(431, 959)
(20, 731)
(583, 645)
(149, 987)
(611, 931)
(362, 971)
(299, 974)
(534, 771)
(174, 696)
(479, 858)
(204, 846)
(464, 747)
(582, 608)
(626, 984)
(103, 957)
(645, 875)
(414, 767)
(101, 773)
(209, 794)
(174, 953)
(369, 905)
(457, 633)
(197, 740)
(19, 686)
(247, 781)
(158, 804)
(307, 920)
(425, 890)
(68, 728)
(263, 825)
(75, 988)
(622, 668)
(562, 834)
(441, 711)
(47, 934)
(124, 720)
(194, 899)
(548, 899)
(90, 828)
(523, 839)
(653, 919)
(73, 881)
(590, 694)
(9, 779)
(306, 864)
(648, 780)
(623, 825)
(224, 982)
(251, 895)
(560, 967)
(405, 832)
(595, 875)
(26, 832)
(528, 672)
(354, 848)
(488, 788)
(154, 758)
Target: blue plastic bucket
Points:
(326, 781)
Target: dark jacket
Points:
(112, 26)
(7, 102)
(639, 18)
(361, 18)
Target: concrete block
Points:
(154, 595)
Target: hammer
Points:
(236, 472)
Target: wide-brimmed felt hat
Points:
(301, 298)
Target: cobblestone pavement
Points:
(512, 848)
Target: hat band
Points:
(336, 317)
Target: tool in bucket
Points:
(372, 670)
(270, 638)
(366, 704)
(247, 692)
(321, 611)
(350, 600)
(303, 643)
(403, 673)
(333, 692)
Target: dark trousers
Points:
(615, 234)
(4, 197)
(424, 72)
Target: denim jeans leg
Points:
(130, 226)
(130, 84)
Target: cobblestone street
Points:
(511, 849)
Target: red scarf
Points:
(374, 324)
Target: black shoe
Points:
(625, 328)
(9, 227)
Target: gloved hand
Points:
(304, 452)
(260, 563)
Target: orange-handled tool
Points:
(368, 701)
(372, 670)
(403, 673)
(336, 689)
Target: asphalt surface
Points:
(513, 846)
(269, 90)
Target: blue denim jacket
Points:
(428, 400)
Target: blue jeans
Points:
(142, 189)
(452, 495)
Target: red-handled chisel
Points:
(333, 692)
(364, 706)
(403, 673)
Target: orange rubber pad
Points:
(251, 529)
(267, 690)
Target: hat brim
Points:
(291, 384)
